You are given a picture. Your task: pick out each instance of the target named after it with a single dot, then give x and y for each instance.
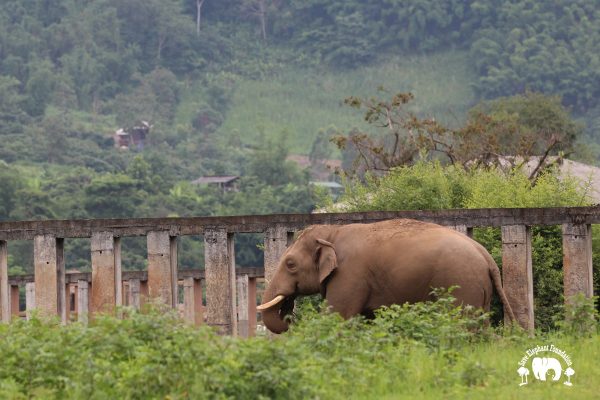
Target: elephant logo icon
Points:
(541, 366)
(544, 367)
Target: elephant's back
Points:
(412, 260)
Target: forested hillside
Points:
(234, 86)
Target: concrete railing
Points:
(230, 292)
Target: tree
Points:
(40, 87)
(12, 115)
(199, 4)
(10, 182)
(32, 204)
(260, 10)
(51, 137)
(269, 165)
(154, 99)
(112, 196)
(504, 133)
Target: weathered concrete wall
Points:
(220, 281)
(228, 301)
(49, 268)
(106, 272)
(162, 267)
(577, 260)
(517, 273)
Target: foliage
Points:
(503, 133)
(580, 316)
(405, 351)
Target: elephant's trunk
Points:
(274, 317)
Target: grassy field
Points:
(489, 371)
(298, 102)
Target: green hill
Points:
(299, 102)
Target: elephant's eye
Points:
(290, 265)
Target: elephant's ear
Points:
(326, 259)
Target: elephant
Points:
(541, 366)
(358, 268)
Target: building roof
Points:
(330, 185)
(215, 179)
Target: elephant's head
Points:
(303, 269)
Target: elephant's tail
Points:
(495, 274)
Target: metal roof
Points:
(215, 179)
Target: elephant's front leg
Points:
(347, 297)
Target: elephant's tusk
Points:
(271, 303)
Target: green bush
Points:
(430, 349)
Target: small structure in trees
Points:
(133, 137)
(227, 183)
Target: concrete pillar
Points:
(49, 264)
(75, 298)
(466, 230)
(517, 275)
(162, 267)
(277, 239)
(134, 294)
(198, 298)
(72, 296)
(29, 298)
(106, 272)
(82, 301)
(242, 305)
(192, 301)
(14, 301)
(143, 293)
(251, 306)
(4, 289)
(577, 260)
(220, 280)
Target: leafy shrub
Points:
(579, 317)
(430, 348)
(438, 324)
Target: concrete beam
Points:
(517, 273)
(577, 260)
(162, 267)
(17, 230)
(74, 277)
(48, 259)
(220, 281)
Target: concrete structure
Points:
(133, 137)
(227, 183)
(230, 291)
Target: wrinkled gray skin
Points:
(360, 267)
